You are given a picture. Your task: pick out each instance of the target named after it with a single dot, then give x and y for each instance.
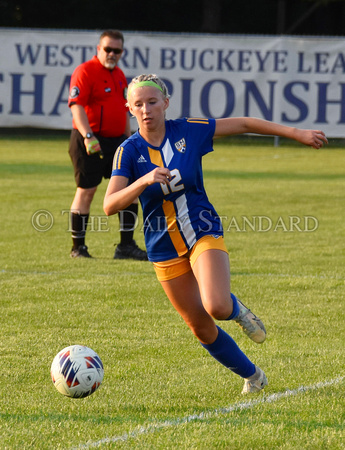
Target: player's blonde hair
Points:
(153, 79)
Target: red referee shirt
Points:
(102, 93)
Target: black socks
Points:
(128, 218)
(78, 225)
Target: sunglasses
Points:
(117, 51)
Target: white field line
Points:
(154, 427)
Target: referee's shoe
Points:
(80, 252)
(130, 251)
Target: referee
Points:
(100, 124)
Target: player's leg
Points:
(183, 293)
(212, 272)
(211, 268)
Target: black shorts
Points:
(90, 169)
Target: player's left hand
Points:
(313, 138)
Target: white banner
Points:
(295, 81)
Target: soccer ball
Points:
(77, 371)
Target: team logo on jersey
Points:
(74, 92)
(181, 145)
(107, 89)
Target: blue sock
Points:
(236, 308)
(225, 350)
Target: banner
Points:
(291, 80)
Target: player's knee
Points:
(220, 310)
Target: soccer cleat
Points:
(80, 252)
(255, 385)
(250, 324)
(130, 251)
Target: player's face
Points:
(109, 52)
(148, 105)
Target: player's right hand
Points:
(92, 146)
(159, 175)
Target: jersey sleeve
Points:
(202, 132)
(123, 161)
(80, 87)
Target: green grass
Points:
(161, 390)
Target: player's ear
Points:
(166, 104)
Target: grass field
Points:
(283, 212)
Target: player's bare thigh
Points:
(212, 272)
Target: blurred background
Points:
(293, 17)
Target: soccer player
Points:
(100, 123)
(161, 163)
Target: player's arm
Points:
(82, 123)
(120, 195)
(241, 125)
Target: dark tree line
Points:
(296, 17)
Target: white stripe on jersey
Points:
(167, 153)
(184, 220)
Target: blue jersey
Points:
(179, 213)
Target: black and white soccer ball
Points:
(77, 371)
